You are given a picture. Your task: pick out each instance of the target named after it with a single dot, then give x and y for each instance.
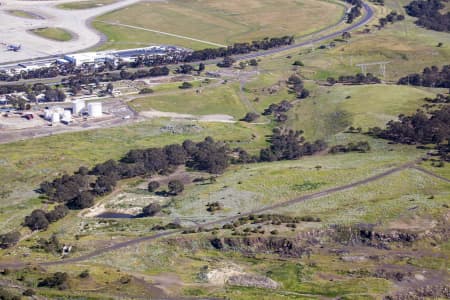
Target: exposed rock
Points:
(252, 281)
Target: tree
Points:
(153, 186)
(186, 85)
(83, 200)
(253, 62)
(109, 88)
(250, 117)
(151, 209)
(9, 239)
(175, 187)
(37, 220)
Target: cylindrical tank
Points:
(47, 114)
(77, 107)
(95, 109)
(67, 116)
(55, 117)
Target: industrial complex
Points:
(79, 60)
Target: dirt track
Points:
(410, 165)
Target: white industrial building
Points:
(80, 59)
(95, 109)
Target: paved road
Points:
(223, 220)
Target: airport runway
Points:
(15, 30)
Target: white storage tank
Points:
(67, 116)
(77, 107)
(95, 109)
(47, 114)
(55, 117)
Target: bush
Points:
(84, 274)
(151, 209)
(28, 292)
(298, 63)
(175, 187)
(9, 239)
(250, 117)
(186, 85)
(146, 91)
(57, 280)
(153, 186)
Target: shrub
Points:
(153, 186)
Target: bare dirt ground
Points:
(220, 118)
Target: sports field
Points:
(217, 21)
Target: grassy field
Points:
(30, 162)
(85, 4)
(333, 110)
(218, 22)
(53, 33)
(220, 100)
(23, 14)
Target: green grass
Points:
(23, 14)
(332, 110)
(85, 4)
(53, 33)
(219, 22)
(28, 163)
(220, 100)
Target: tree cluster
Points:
(392, 17)
(278, 110)
(430, 77)
(439, 99)
(57, 280)
(419, 128)
(429, 15)
(296, 86)
(239, 48)
(40, 220)
(361, 147)
(289, 145)
(356, 79)
(355, 11)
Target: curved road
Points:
(410, 165)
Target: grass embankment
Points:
(23, 14)
(216, 21)
(85, 4)
(53, 33)
(218, 100)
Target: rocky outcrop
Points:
(287, 247)
(428, 292)
(252, 281)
